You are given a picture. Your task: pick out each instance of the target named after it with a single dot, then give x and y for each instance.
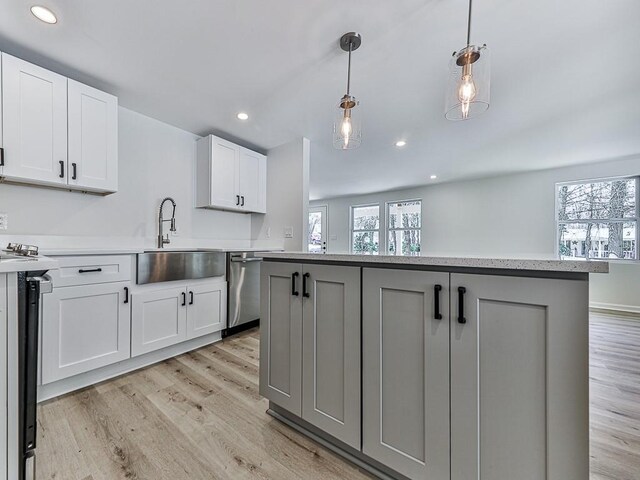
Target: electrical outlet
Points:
(288, 232)
(4, 221)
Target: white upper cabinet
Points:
(93, 138)
(230, 177)
(34, 119)
(56, 131)
(253, 181)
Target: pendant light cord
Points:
(349, 69)
(469, 25)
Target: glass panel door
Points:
(317, 242)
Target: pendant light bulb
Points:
(469, 81)
(347, 132)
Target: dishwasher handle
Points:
(246, 260)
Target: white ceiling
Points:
(565, 77)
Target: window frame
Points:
(351, 225)
(635, 219)
(388, 229)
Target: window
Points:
(404, 220)
(598, 219)
(365, 229)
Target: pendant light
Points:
(468, 87)
(347, 130)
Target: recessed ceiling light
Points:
(44, 14)
(433, 177)
(401, 143)
(242, 116)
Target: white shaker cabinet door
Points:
(281, 335)
(224, 174)
(207, 308)
(519, 378)
(34, 121)
(159, 319)
(405, 365)
(253, 181)
(331, 351)
(93, 138)
(84, 328)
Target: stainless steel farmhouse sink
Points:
(153, 267)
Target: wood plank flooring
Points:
(199, 416)
(614, 371)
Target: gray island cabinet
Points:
(432, 368)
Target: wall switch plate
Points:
(4, 221)
(288, 232)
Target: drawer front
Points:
(87, 270)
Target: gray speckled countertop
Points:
(541, 264)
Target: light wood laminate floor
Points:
(199, 416)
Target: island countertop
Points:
(439, 262)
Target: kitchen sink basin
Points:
(154, 267)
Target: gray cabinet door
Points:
(331, 351)
(281, 335)
(405, 361)
(519, 379)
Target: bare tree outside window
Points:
(404, 227)
(365, 229)
(598, 219)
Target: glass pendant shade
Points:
(469, 84)
(347, 128)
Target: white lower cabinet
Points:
(161, 318)
(405, 362)
(83, 328)
(207, 308)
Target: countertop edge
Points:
(515, 264)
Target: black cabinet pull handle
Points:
(436, 295)
(61, 169)
(74, 170)
(242, 205)
(126, 294)
(184, 299)
(461, 292)
(304, 285)
(237, 199)
(89, 270)
(1, 157)
(294, 290)
(190, 298)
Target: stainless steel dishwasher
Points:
(243, 279)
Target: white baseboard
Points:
(613, 307)
(55, 389)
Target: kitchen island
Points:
(432, 367)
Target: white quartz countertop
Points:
(52, 245)
(55, 252)
(533, 264)
(24, 264)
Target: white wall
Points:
(287, 198)
(155, 160)
(508, 215)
